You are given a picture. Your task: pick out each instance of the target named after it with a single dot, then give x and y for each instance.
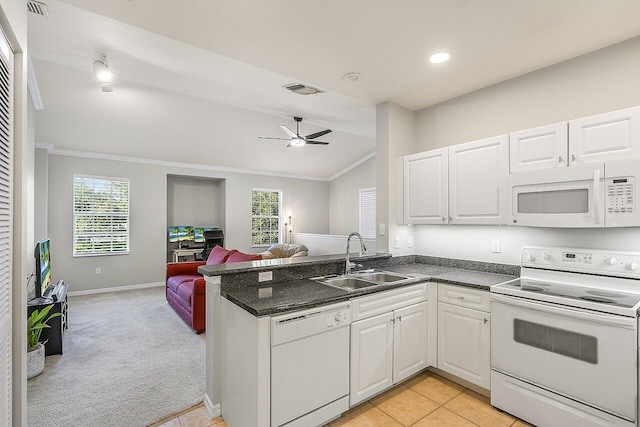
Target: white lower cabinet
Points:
(389, 347)
(464, 334)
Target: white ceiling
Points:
(241, 53)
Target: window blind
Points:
(368, 213)
(100, 216)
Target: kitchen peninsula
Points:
(249, 309)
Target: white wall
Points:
(344, 206)
(194, 201)
(602, 81)
(330, 244)
(306, 200)
(41, 194)
(395, 132)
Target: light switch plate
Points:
(381, 229)
(265, 276)
(495, 246)
(410, 241)
(396, 242)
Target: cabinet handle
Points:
(486, 321)
(450, 219)
(460, 297)
(399, 318)
(444, 219)
(573, 158)
(559, 159)
(393, 320)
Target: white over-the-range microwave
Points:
(590, 195)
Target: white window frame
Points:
(366, 224)
(113, 235)
(278, 217)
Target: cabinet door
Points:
(463, 343)
(609, 136)
(425, 187)
(539, 148)
(371, 357)
(476, 170)
(409, 341)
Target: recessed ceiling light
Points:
(439, 58)
(352, 77)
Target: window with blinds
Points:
(265, 216)
(100, 216)
(368, 213)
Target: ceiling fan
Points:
(296, 140)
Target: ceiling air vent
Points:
(38, 8)
(301, 89)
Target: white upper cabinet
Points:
(609, 136)
(476, 170)
(425, 187)
(543, 147)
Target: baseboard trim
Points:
(116, 289)
(213, 410)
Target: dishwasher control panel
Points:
(338, 318)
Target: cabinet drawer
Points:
(464, 297)
(382, 302)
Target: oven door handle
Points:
(583, 314)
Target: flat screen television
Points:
(198, 233)
(43, 267)
(181, 233)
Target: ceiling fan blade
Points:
(273, 137)
(317, 142)
(318, 134)
(288, 131)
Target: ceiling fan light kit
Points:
(296, 140)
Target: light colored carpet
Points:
(128, 360)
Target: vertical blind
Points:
(100, 216)
(368, 213)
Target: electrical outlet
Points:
(381, 229)
(410, 241)
(265, 276)
(396, 242)
(495, 246)
(98, 270)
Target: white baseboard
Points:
(213, 410)
(115, 289)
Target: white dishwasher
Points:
(310, 365)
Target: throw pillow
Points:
(219, 255)
(238, 256)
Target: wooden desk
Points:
(177, 253)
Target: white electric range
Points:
(564, 338)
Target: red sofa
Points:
(185, 292)
(185, 288)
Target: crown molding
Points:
(352, 166)
(32, 85)
(166, 163)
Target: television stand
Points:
(58, 325)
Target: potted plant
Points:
(35, 349)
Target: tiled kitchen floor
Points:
(427, 400)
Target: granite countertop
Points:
(277, 263)
(280, 297)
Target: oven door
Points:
(584, 355)
(565, 197)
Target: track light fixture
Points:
(102, 73)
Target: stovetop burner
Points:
(537, 290)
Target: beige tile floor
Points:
(427, 400)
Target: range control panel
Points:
(611, 263)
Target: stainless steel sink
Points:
(348, 283)
(362, 279)
(382, 277)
